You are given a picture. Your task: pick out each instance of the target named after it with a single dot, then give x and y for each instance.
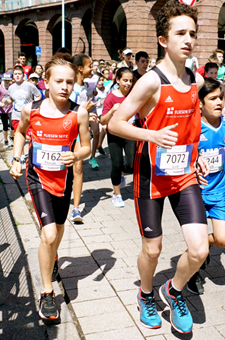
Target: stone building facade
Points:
(96, 27)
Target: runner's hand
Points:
(202, 171)
(166, 138)
(16, 170)
(68, 158)
(203, 166)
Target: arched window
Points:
(57, 35)
(118, 32)
(86, 23)
(28, 41)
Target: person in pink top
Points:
(124, 78)
(6, 110)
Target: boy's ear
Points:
(200, 104)
(162, 41)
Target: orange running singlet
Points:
(159, 172)
(50, 137)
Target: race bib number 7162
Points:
(47, 157)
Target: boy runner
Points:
(20, 93)
(166, 99)
(211, 147)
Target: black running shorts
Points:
(50, 208)
(187, 205)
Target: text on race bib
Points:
(47, 157)
(173, 162)
(215, 158)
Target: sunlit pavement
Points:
(98, 283)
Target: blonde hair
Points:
(59, 59)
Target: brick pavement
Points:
(99, 277)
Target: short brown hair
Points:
(172, 9)
(218, 50)
(213, 58)
(18, 68)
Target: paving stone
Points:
(105, 322)
(130, 333)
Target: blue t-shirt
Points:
(212, 147)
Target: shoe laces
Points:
(181, 305)
(150, 305)
(197, 278)
(49, 298)
(76, 211)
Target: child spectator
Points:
(211, 70)
(6, 110)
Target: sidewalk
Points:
(98, 268)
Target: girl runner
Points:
(55, 123)
(124, 78)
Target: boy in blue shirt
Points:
(212, 147)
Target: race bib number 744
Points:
(173, 162)
(47, 157)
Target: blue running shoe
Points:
(76, 215)
(148, 313)
(180, 317)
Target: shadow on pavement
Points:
(72, 269)
(18, 315)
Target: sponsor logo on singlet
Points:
(38, 123)
(67, 124)
(170, 111)
(168, 100)
(39, 133)
(194, 97)
(203, 138)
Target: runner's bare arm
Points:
(144, 90)
(69, 158)
(19, 140)
(199, 80)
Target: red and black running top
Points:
(159, 172)
(50, 137)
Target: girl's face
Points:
(125, 82)
(112, 67)
(106, 74)
(87, 68)
(60, 83)
(152, 63)
(39, 70)
(127, 57)
(100, 84)
(212, 73)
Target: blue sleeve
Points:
(73, 97)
